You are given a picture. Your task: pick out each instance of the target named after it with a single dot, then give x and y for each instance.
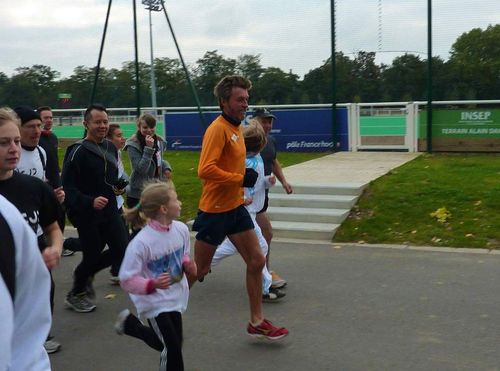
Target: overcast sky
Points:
(290, 34)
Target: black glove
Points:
(250, 178)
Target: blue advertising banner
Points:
(295, 130)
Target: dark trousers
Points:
(164, 334)
(94, 235)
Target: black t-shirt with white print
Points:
(34, 199)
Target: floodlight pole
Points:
(137, 79)
(152, 6)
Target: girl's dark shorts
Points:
(213, 228)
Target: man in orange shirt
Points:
(221, 211)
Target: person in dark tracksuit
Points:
(90, 179)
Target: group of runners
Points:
(152, 261)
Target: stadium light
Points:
(152, 6)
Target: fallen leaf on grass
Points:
(469, 235)
(441, 214)
(477, 203)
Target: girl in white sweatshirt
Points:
(154, 273)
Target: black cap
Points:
(26, 114)
(262, 112)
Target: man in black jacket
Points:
(90, 175)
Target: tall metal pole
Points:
(153, 79)
(98, 67)
(137, 80)
(334, 79)
(186, 72)
(429, 76)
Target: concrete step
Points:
(305, 231)
(346, 189)
(312, 201)
(300, 214)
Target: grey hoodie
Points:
(143, 164)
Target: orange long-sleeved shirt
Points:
(222, 167)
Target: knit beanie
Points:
(26, 114)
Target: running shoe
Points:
(273, 295)
(67, 252)
(266, 331)
(120, 321)
(51, 346)
(277, 282)
(79, 302)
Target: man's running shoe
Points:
(277, 281)
(67, 252)
(79, 302)
(51, 346)
(273, 295)
(266, 331)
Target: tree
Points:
(367, 77)
(405, 79)
(475, 61)
(32, 86)
(209, 70)
(317, 84)
(249, 65)
(172, 86)
(276, 87)
(79, 85)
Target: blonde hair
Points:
(8, 115)
(255, 136)
(154, 195)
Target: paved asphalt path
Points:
(347, 308)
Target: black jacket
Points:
(89, 171)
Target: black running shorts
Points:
(213, 228)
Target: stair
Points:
(312, 212)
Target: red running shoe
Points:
(266, 331)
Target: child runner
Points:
(255, 140)
(153, 274)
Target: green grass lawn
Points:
(187, 183)
(397, 207)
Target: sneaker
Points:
(278, 282)
(79, 302)
(67, 252)
(120, 321)
(266, 331)
(273, 295)
(115, 280)
(51, 346)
